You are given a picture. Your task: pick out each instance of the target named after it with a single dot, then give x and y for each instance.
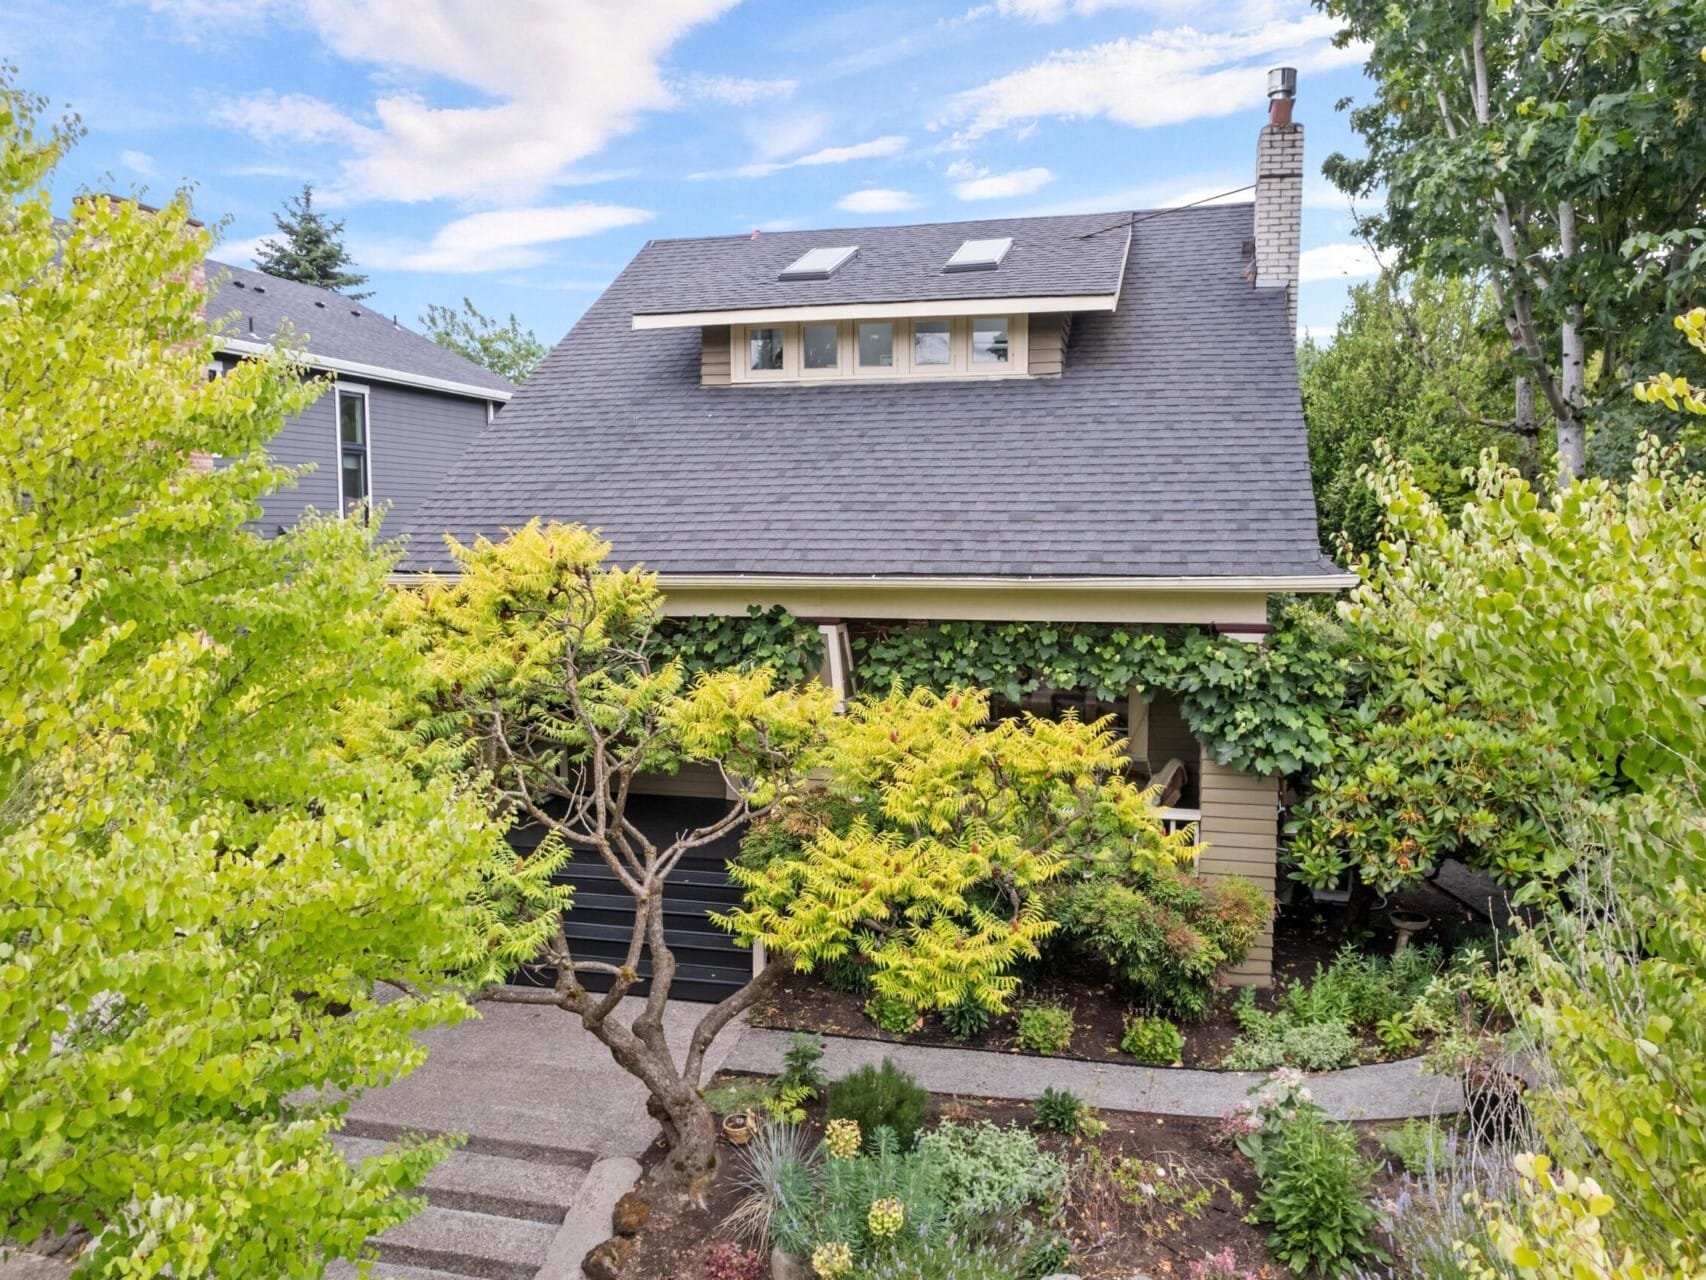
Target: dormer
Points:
(968, 302)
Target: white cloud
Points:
(502, 239)
(734, 91)
(878, 200)
(240, 252)
(1337, 262)
(290, 117)
(554, 81)
(1050, 11)
(1004, 186)
(138, 162)
(961, 169)
(1165, 77)
(876, 148)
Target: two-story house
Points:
(1086, 418)
(401, 411)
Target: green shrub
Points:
(1279, 1041)
(892, 1014)
(802, 1064)
(949, 1257)
(966, 1020)
(851, 973)
(1420, 1146)
(731, 1096)
(1061, 1110)
(1164, 935)
(1314, 1193)
(985, 1170)
(1049, 1254)
(1045, 1028)
(1153, 1040)
(882, 1097)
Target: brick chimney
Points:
(1279, 191)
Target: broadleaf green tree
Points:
(1418, 363)
(555, 686)
(203, 872)
(1554, 150)
(311, 250)
(504, 346)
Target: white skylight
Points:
(979, 255)
(819, 264)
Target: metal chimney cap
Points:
(1282, 82)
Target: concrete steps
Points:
(490, 1184)
(489, 1215)
(481, 1246)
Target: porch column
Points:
(1240, 832)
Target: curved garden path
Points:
(1384, 1091)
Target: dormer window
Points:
(887, 349)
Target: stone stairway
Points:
(493, 1209)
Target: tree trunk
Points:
(1572, 437)
(692, 1161)
(1525, 426)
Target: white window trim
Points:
(339, 390)
(960, 366)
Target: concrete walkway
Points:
(1387, 1091)
(554, 1128)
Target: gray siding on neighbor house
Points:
(414, 437)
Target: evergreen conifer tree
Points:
(312, 250)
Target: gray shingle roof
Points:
(331, 325)
(1071, 255)
(1172, 446)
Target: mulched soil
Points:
(1305, 937)
(1112, 1237)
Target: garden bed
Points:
(1306, 939)
(1187, 1193)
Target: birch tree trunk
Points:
(1572, 438)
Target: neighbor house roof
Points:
(249, 309)
(1172, 446)
(1068, 256)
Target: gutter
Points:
(1311, 583)
(242, 347)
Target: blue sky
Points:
(518, 152)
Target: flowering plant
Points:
(832, 1260)
(842, 1139)
(886, 1217)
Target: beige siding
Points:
(1048, 345)
(714, 355)
(1240, 834)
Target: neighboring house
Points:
(1081, 418)
(401, 411)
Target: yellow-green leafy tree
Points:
(203, 872)
(553, 686)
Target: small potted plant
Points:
(739, 1126)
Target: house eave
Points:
(1230, 601)
(379, 373)
(940, 307)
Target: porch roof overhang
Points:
(1224, 601)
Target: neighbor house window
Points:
(764, 350)
(353, 469)
(989, 340)
(876, 344)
